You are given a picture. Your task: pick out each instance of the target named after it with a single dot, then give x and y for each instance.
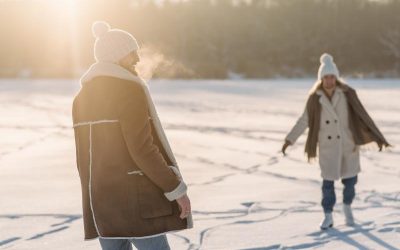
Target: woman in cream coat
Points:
(338, 154)
(338, 151)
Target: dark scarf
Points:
(361, 124)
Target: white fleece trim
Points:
(178, 192)
(90, 177)
(93, 122)
(135, 172)
(90, 124)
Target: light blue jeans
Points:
(153, 243)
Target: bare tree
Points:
(390, 39)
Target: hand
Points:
(184, 206)
(284, 147)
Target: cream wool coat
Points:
(338, 154)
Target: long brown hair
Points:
(318, 85)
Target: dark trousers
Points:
(329, 196)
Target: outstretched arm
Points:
(298, 129)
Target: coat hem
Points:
(341, 177)
(133, 237)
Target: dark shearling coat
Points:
(123, 167)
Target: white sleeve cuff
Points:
(178, 192)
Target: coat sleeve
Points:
(299, 128)
(136, 130)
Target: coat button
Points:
(338, 136)
(327, 121)
(329, 137)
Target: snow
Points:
(226, 136)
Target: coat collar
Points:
(109, 69)
(330, 106)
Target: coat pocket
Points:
(151, 199)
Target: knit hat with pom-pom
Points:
(112, 44)
(327, 67)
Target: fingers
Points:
(184, 206)
(284, 150)
(285, 146)
(185, 212)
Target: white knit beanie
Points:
(327, 67)
(112, 44)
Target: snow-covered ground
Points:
(226, 136)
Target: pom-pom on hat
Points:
(111, 45)
(327, 67)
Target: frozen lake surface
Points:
(226, 136)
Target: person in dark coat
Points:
(132, 189)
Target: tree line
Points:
(206, 38)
